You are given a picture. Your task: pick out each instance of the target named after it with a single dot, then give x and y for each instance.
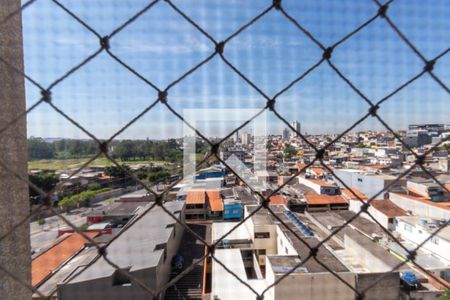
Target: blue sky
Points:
(161, 45)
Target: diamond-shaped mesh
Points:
(162, 96)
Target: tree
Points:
(361, 145)
(40, 149)
(45, 180)
(157, 176)
(289, 151)
(115, 171)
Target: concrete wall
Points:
(164, 268)
(14, 248)
(387, 288)
(419, 208)
(369, 185)
(284, 246)
(369, 254)
(269, 244)
(315, 286)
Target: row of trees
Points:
(126, 150)
(81, 199)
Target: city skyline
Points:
(103, 96)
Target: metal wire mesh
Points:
(162, 96)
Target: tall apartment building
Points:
(297, 127)
(246, 138)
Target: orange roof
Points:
(418, 193)
(43, 265)
(348, 194)
(388, 208)
(447, 186)
(215, 201)
(443, 205)
(321, 182)
(318, 199)
(318, 171)
(300, 166)
(277, 199)
(196, 197)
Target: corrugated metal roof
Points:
(43, 265)
(215, 201)
(278, 199)
(196, 197)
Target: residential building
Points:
(425, 188)
(421, 206)
(286, 132)
(418, 230)
(296, 125)
(203, 204)
(320, 186)
(144, 248)
(246, 139)
(262, 251)
(368, 182)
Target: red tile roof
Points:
(348, 194)
(321, 182)
(318, 171)
(388, 208)
(317, 199)
(43, 265)
(277, 199)
(300, 166)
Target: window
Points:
(435, 240)
(235, 211)
(120, 278)
(408, 227)
(262, 251)
(360, 180)
(286, 250)
(262, 235)
(227, 211)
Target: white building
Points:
(297, 127)
(145, 248)
(246, 138)
(418, 229)
(420, 206)
(262, 251)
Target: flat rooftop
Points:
(431, 225)
(136, 245)
(219, 229)
(324, 255)
(118, 209)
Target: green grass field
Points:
(63, 164)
